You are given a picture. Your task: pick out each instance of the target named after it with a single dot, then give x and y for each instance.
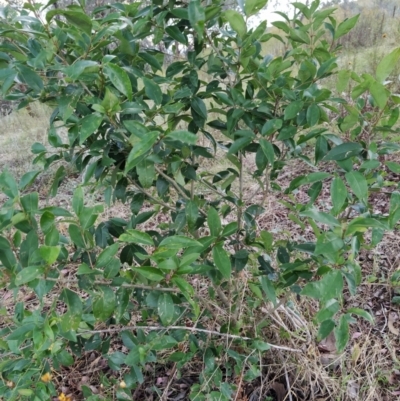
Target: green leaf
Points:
(74, 17)
(140, 149)
(183, 136)
(268, 150)
(199, 107)
(392, 166)
(358, 185)
(106, 255)
(293, 109)
(343, 78)
(325, 329)
(104, 304)
(241, 143)
(313, 115)
(222, 261)
(90, 124)
(176, 34)
(387, 65)
(197, 17)
(342, 333)
(152, 90)
(76, 236)
(151, 60)
(77, 201)
(321, 217)
(119, 78)
(179, 242)
(30, 202)
(338, 194)
(306, 179)
(236, 21)
(214, 222)
(380, 94)
(151, 273)
(271, 126)
(344, 151)
(49, 253)
(146, 172)
(71, 320)
(269, 289)
(192, 214)
(27, 179)
(252, 7)
(362, 313)
(346, 26)
(328, 243)
(75, 70)
(166, 309)
(362, 224)
(8, 184)
(136, 237)
(28, 274)
(30, 77)
(330, 286)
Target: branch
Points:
(192, 329)
(125, 285)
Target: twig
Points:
(172, 182)
(287, 382)
(125, 285)
(193, 329)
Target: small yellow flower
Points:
(10, 384)
(46, 377)
(122, 384)
(63, 397)
(384, 36)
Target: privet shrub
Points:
(133, 128)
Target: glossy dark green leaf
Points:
(77, 201)
(222, 261)
(146, 172)
(166, 309)
(358, 184)
(313, 114)
(344, 151)
(136, 237)
(342, 333)
(71, 320)
(104, 304)
(338, 194)
(293, 109)
(119, 78)
(140, 149)
(153, 90)
(179, 242)
(27, 179)
(183, 136)
(28, 274)
(106, 255)
(214, 222)
(268, 289)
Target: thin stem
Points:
(125, 285)
(172, 182)
(192, 329)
